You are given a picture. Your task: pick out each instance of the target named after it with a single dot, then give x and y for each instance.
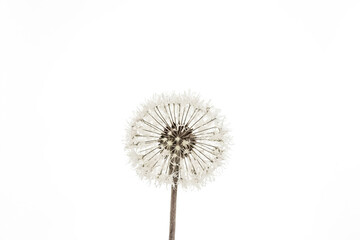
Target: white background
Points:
(284, 73)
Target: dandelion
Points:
(177, 140)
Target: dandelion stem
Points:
(174, 169)
(173, 212)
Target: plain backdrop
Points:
(285, 74)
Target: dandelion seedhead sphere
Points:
(177, 139)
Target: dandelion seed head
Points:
(178, 138)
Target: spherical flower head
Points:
(177, 139)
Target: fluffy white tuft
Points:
(177, 126)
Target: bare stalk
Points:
(174, 168)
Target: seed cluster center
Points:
(178, 140)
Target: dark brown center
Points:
(178, 139)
